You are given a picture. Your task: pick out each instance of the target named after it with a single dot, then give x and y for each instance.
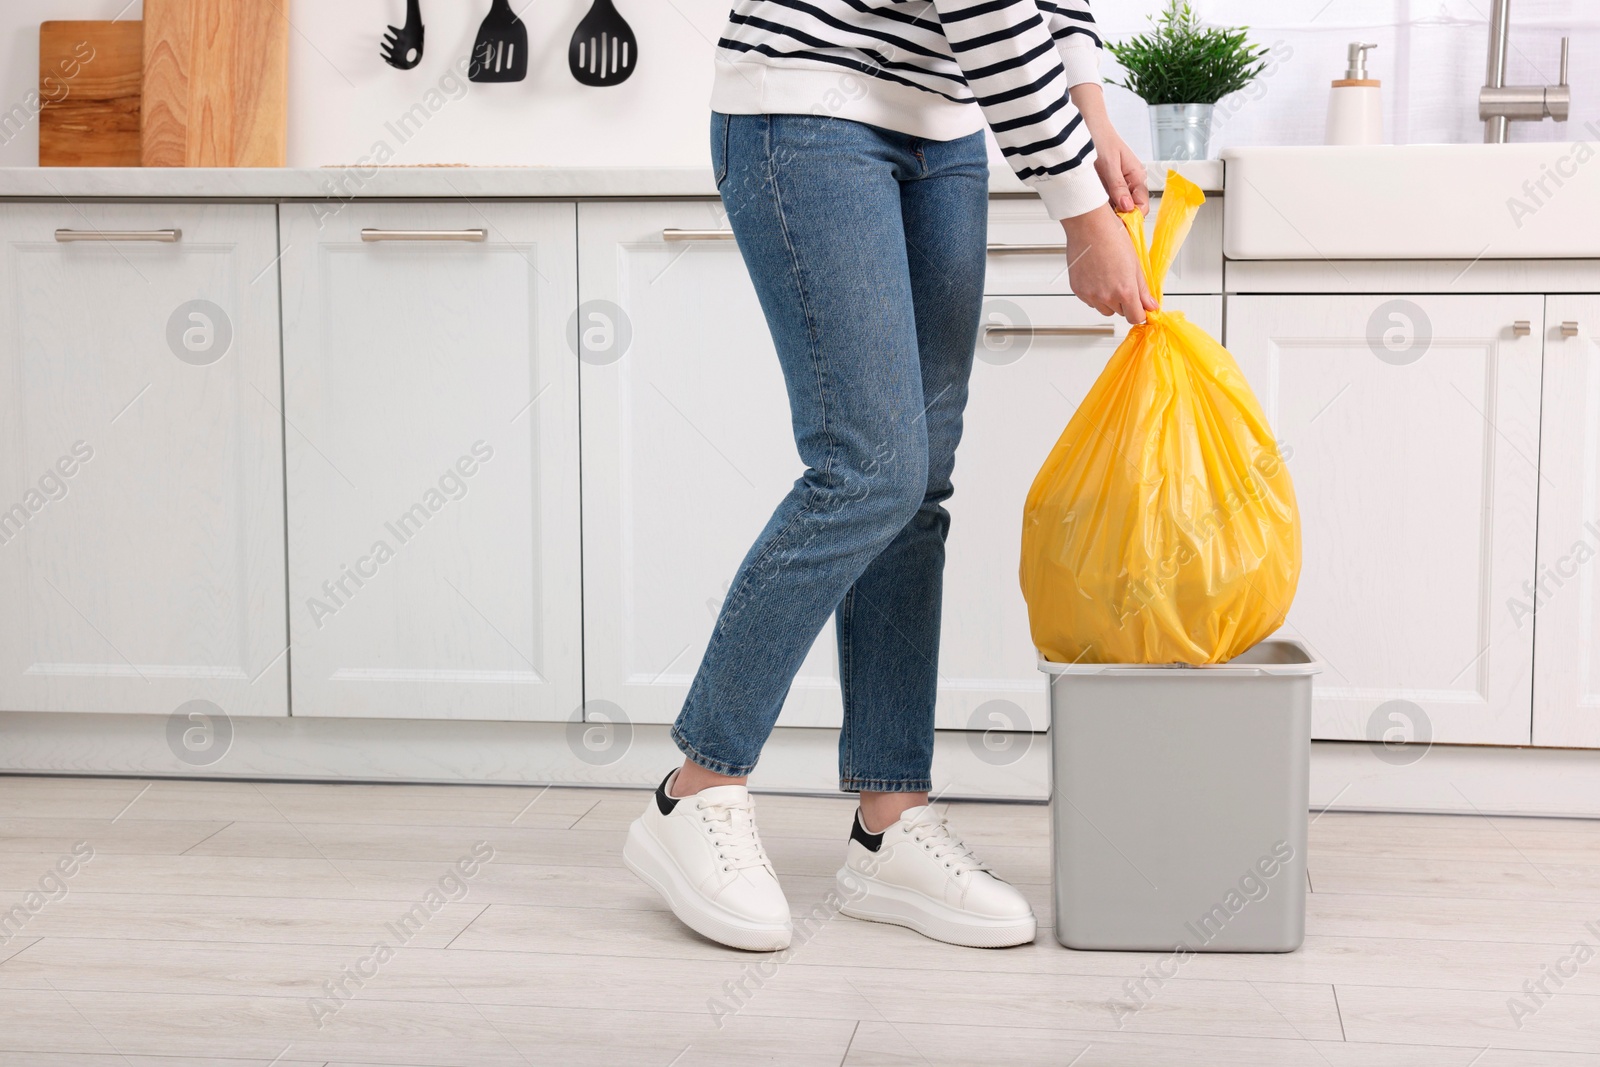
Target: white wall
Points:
(1430, 58)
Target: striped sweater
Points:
(936, 69)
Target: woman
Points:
(847, 144)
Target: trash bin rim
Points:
(1280, 657)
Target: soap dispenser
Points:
(1355, 106)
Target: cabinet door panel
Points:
(431, 401)
(1565, 593)
(687, 449)
(1411, 425)
(1024, 391)
(141, 545)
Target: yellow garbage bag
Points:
(1162, 527)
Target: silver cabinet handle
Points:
(1569, 329)
(1027, 250)
(696, 235)
(424, 235)
(164, 236)
(1050, 331)
(1521, 328)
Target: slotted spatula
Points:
(603, 49)
(500, 54)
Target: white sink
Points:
(1466, 201)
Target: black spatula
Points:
(500, 54)
(402, 45)
(603, 49)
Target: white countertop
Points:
(292, 183)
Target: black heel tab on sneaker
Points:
(858, 832)
(665, 803)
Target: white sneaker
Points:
(703, 855)
(918, 874)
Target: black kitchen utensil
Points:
(402, 45)
(603, 49)
(500, 54)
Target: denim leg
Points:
(815, 205)
(888, 623)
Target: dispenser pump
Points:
(1355, 107)
(1357, 70)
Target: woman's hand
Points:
(1102, 268)
(1100, 261)
(1119, 169)
(1121, 173)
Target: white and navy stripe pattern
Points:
(926, 60)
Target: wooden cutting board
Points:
(216, 76)
(89, 89)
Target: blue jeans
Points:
(867, 250)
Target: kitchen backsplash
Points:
(347, 105)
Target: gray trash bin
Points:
(1178, 811)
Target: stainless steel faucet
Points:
(1499, 103)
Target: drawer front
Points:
(1027, 255)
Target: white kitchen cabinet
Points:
(686, 451)
(141, 540)
(688, 448)
(1024, 391)
(432, 460)
(1564, 591)
(1411, 426)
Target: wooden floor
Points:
(241, 923)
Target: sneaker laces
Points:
(733, 832)
(933, 833)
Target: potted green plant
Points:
(1181, 69)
